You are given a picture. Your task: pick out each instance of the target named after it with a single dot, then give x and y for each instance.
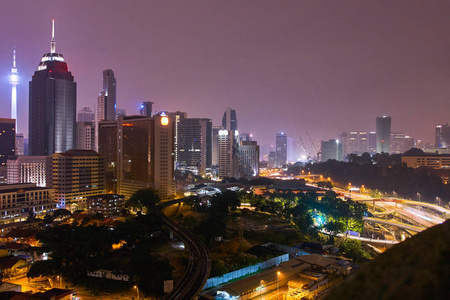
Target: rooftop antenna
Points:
(52, 43)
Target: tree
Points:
(144, 200)
(45, 268)
(61, 214)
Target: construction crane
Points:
(304, 148)
(315, 148)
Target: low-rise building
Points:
(107, 204)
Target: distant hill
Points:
(418, 268)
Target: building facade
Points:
(442, 136)
(331, 149)
(249, 159)
(27, 169)
(52, 106)
(196, 144)
(106, 101)
(85, 136)
(281, 149)
(229, 120)
(7, 145)
(146, 109)
(383, 132)
(86, 115)
(18, 200)
(228, 154)
(107, 204)
(74, 175)
(400, 143)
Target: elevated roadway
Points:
(199, 265)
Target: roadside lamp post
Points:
(278, 281)
(60, 280)
(137, 291)
(260, 290)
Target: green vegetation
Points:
(414, 269)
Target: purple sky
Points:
(320, 66)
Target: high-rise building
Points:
(281, 149)
(442, 136)
(229, 120)
(20, 144)
(86, 115)
(27, 169)
(7, 144)
(146, 109)
(400, 143)
(244, 136)
(52, 106)
(372, 142)
(215, 144)
(14, 81)
(357, 142)
(139, 154)
(383, 134)
(177, 117)
(195, 144)
(331, 149)
(272, 159)
(74, 175)
(85, 136)
(228, 153)
(120, 112)
(293, 150)
(106, 101)
(249, 158)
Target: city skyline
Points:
(278, 66)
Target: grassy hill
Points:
(418, 268)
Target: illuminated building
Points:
(106, 101)
(357, 142)
(429, 160)
(85, 136)
(52, 107)
(120, 112)
(372, 142)
(139, 154)
(86, 115)
(14, 81)
(195, 145)
(229, 120)
(17, 200)
(331, 149)
(400, 143)
(272, 158)
(442, 136)
(74, 175)
(177, 117)
(281, 149)
(245, 137)
(27, 169)
(228, 154)
(146, 109)
(249, 158)
(20, 144)
(293, 150)
(215, 145)
(7, 144)
(107, 204)
(383, 134)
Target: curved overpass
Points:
(199, 266)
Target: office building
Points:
(27, 169)
(106, 101)
(176, 118)
(139, 154)
(20, 144)
(383, 125)
(195, 144)
(331, 149)
(400, 143)
(357, 142)
(293, 150)
(215, 145)
(228, 155)
(74, 175)
(229, 120)
(7, 144)
(146, 109)
(52, 106)
(244, 136)
(86, 115)
(442, 136)
(372, 142)
(248, 159)
(281, 149)
(85, 136)
(18, 200)
(108, 205)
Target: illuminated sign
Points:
(164, 121)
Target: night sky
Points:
(319, 66)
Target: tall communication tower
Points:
(14, 81)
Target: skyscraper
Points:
(146, 109)
(215, 145)
(331, 149)
(281, 149)
(106, 101)
(7, 144)
(86, 115)
(442, 136)
(14, 81)
(383, 134)
(195, 144)
(52, 105)
(85, 133)
(229, 120)
(249, 158)
(228, 153)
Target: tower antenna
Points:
(14, 81)
(52, 43)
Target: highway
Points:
(199, 265)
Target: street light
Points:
(278, 281)
(137, 290)
(260, 290)
(60, 280)
(418, 194)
